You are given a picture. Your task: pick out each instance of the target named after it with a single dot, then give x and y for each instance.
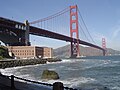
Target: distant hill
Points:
(64, 52)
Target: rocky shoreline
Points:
(24, 62)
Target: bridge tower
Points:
(27, 41)
(75, 51)
(104, 46)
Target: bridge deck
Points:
(10, 24)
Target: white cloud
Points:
(116, 32)
(114, 45)
(114, 38)
(109, 42)
(98, 37)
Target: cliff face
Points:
(84, 51)
(3, 52)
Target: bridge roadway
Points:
(45, 33)
(11, 25)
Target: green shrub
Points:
(4, 52)
(1, 57)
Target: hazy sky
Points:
(102, 17)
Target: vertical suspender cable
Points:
(86, 26)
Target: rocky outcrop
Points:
(53, 59)
(47, 74)
(24, 62)
(4, 52)
(14, 63)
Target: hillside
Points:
(84, 51)
(4, 52)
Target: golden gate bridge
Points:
(15, 33)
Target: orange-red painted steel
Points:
(104, 46)
(6, 24)
(75, 50)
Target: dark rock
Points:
(53, 59)
(47, 74)
(20, 62)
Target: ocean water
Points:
(87, 74)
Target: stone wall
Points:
(24, 62)
(14, 63)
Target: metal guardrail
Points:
(56, 85)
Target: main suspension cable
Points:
(83, 31)
(86, 27)
(52, 16)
